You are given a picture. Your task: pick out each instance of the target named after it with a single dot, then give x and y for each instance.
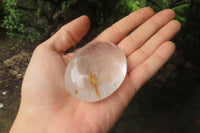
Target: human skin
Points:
(47, 107)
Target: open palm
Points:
(46, 106)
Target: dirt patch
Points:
(10, 47)
(17, 64)
(9, 98)
(14, 57)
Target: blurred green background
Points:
(168, 103)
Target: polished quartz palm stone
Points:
(95, 71)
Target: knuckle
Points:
(155, 22)
(68, 36)
(116, 29)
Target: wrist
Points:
(27, 123)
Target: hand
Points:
(47, 107)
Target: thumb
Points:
(69, 34)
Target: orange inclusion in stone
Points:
(76, 92)
(94, 84)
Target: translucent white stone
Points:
(95, 71)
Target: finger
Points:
(120, 99)
(164, 34)
(69, 34)
(120, 29)
(138, 37)
(149, 67)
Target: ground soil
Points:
(10, 85)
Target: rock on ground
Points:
(17, 64)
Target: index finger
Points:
(120, 29)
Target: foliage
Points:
(33, 19)
(29, 20)
(1, 11)
(181, 14)
(135, 4)
(17, 20)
